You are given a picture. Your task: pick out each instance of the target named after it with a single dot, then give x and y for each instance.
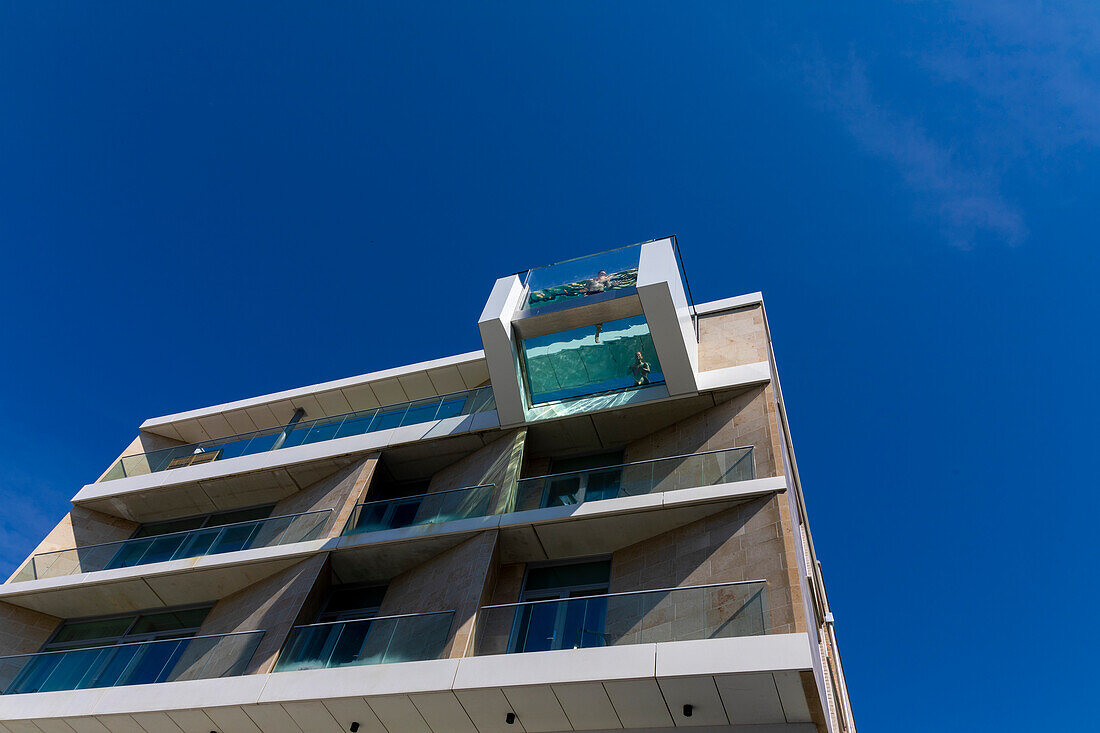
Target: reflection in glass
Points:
(378, 640)
(614, 273)
(604, 357)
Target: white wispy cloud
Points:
(966, 201)
(1038, 63)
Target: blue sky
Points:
(201, 202)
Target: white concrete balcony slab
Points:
(591, 527)
(762, 681)
(266, 476)
(156, 585)
(327, 399)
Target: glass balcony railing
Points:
(635, 479)
(135, 663)
(178, 545)
(572, 282)
(616, 619)
(307, 431)
(441, 506)
(379, 640)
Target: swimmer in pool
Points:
(640, 369)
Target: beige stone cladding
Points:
(495, 624)
(497, 463)
(738, 544)
(273, 604)
(339, 492)
(79, 528)
(22, 631)
(459, 579)
(732, 338)
(747, 419)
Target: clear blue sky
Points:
(201, 202)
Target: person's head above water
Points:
(638, 356)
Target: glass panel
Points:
(153, 529)
(237, 537)
(607, 273)
(441, 506)
(84, 631)
(568, 576)
(404, 513)
(367, 641)
(387, 417)
(355, 424)
(240, 515)
(563, 491)
(636, 479)
(128, 664)
(191, 618)
(211, 540)
(422, 411)
(338, 426)
(729, 610)
(590, 360)
(308, 647)
(129, 554)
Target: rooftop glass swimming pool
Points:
(604, 357)
(610, 273)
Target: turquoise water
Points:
(590, 360)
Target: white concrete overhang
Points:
(757, 681)
(659, 295)
(156, 585)
(327, 399)
(263, 477)
(589, 528)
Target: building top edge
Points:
(152, 424)
(337, 384)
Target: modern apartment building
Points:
(594, 523)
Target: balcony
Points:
(178, 545)
(139, 663)
(639, 478)
(305, 432)
(379, 640)
(408, 511)
(718, 611)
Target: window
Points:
(164, 540)
(348, 602)
(560, 612)
(587, 478)
(102, 652)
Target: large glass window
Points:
(103, 652)
(603, 357)
(564, 614)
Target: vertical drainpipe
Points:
(298, 415)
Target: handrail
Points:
(636, 463)
(183, 532)
(371, 618)
(132, 643)
(298, 427)
(624, 593)
(420, 496)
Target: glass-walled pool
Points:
(604, 357)
(610, 273)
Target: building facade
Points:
(594, 523)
